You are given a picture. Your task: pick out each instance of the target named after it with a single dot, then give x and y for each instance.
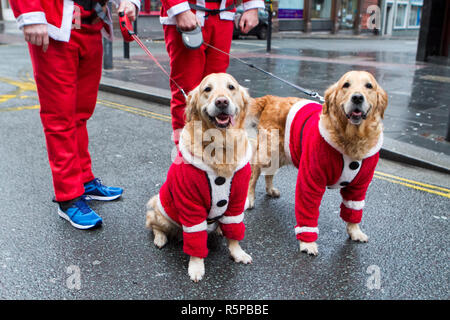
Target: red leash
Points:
(129, 36)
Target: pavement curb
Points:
(392, 150)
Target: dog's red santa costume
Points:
(189, 67)
(196, 199)
(67, 79)
(322, 164)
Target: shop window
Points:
(400, 17)
(414, 16)
(150, 7)
(347, 13)
(290, 9)
(321, 9)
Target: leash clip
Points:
(315, 95)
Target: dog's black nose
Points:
(221, 102)
(357, 98)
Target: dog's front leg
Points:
(239, 255)
(355, 232)
(196, 269)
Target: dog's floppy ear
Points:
(245, 96)
(330, 96)
(382, 101)
(191, 104)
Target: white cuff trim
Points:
(196, 228)
(306, 229)
(232, 219)
(177, 9)
(253, 4)
(354, 205)
(35, 17)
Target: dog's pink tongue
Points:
(356, 113)
(222, 119)
(232, 120)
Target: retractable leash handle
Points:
(192, 39)
(126, 27)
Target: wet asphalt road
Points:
(40, 253)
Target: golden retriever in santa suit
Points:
(334, 145)
(206, 186)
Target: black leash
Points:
(312, 94)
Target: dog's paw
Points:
(196, 269)
(240, 256)
(160, 240)
(309, 248)
(273, 192)
(355, 233)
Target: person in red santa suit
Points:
(188, 67)
(65, 45)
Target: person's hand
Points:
(37, 34)
(129, 8)
(187, 20)
(249, 20)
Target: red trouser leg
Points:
(66, 104)
(189, 67)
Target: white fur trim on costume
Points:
(253, 4)
(161, 208)
(232, 219)
(196, 228)
(348, 174)
(35, 17)
(354, 205)
(218, 193)
(287, 132)
(200, 14)
(306, 229)
(177, 9)
(63, 33)
(327, 137)
(167, 20)
(198, 163)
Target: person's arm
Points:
(249, 18)
(31, 20)
(130, 7)
(179, 9)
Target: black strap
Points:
(211, 12)
(90, 4)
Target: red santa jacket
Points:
(57, 14)
(170, 8)
(196, 199)
(323, 164)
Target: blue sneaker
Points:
(95, 190)
(79, 214)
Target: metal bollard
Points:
(108, 49)
(269, 27)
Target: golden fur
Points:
(356, 140)
(234, 139)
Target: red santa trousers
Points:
(67, 78)
(188, 67)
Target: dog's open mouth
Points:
(356, 116)
(223, 120)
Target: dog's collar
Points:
(200, 164)
(327, 137)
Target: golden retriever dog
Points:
(206, 186)
(334, 145)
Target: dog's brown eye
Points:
(346, 85)
(369, 86)
(231, 87)
(207, 89)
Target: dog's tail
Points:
(256, 109)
